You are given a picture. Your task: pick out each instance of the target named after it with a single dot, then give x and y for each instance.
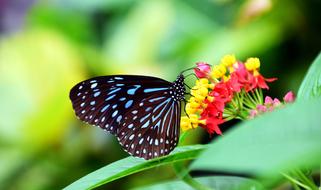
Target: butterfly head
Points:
(178, 88)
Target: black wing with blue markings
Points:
(143, 112)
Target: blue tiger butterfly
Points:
(143, 112)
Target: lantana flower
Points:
(230, 90)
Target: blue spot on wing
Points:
(129, 103)
(113, 91)
(154, 89)
(155, 99)
(119, 118)
(144, 118)
(133, 90)
(110, 97)
(104, 108)
(97, 94)
(146, 124)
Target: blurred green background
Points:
(46, 47)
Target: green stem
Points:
(230, 118)
(305, 179)
(249, 104)
(255, 97)
(295, 186)
(258, 94)
(251, 99)
(182, 173)
(228, 111)
(239, 101)
(292, 180)
(261, 95)
(234, 104)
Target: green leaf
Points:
(274, 142)
(131, 165)
(311, 85)
(217, 183)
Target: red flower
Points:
(212, 125)
(242, 78)
(213, 118)
(260, 81)
(213, 113)
(249, 80)
(222, 91)
(202, 70)
(233, 83)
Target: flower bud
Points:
(202, 70)
(289, 97)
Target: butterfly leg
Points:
(185, 102)
(187, 86)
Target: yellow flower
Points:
(226, 78)
(203, 81)
(194, 104)
(189, 109)
(211, 86)
(185, 124)
(228, 60)
(210, 98)
(252, 64)
(203, 91)
(194, 119)
(218, 71)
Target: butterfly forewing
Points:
(143, 112)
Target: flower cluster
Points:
(229, 90)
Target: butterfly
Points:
(143, 112)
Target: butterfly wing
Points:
(103, 101)
(151, 128)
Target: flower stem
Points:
(305, 179)
(255, 97)
(295, 186)
(251, 99)
(249, 104)
(292, 180)
(182, 173)
(258, 93)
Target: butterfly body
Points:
(142, 112)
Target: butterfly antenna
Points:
(191, 74)
(187, 70)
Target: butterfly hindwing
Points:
(151, 128)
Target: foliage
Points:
(48, 46)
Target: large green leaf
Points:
(311, 85)
(131, 165)
(217, 183)
(274, 142)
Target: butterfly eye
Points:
(142, 112)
